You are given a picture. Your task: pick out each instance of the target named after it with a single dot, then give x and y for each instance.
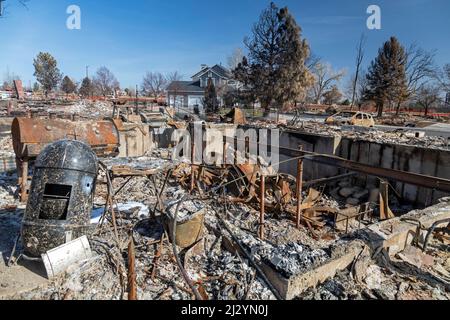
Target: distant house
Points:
(189, 94)
(5, 95)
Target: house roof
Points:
(224, 72)
(185, 86)
(217, 69)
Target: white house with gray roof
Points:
(189, 94)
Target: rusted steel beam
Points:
(416, 179)
(421, 180)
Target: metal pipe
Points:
(430, 232)
(299, 190)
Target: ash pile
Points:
(293, 258)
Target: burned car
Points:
(354, 118)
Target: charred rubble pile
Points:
(162, 229)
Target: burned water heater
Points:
(61, 196)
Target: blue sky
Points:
(135, 36)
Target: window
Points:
(55, 202)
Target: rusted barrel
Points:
(31, 135)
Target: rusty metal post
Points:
(132, 290)
(24, 181)
(261, 215)
(299, 190)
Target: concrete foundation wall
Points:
(400, 157)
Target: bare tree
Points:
(4, 7)
(173, 79)
(324, 78)
(154, 84)
(9, 77)
(443, 77)
(174, 76)
(105, 82)
(332, 96)
(235, 58)
(359, 60)
(427, 96)
(312, 61)
(420, 69)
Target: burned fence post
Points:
(299, 189)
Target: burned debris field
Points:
(156, 227)
(250, 152)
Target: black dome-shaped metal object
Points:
(61, 196)
(68, 155)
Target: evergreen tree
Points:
(86, 88)
(46, 71)
(210, 101)
(68, 86)
(36, 87)
(275, 68)
(386, 79)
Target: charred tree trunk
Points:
(380, 109)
